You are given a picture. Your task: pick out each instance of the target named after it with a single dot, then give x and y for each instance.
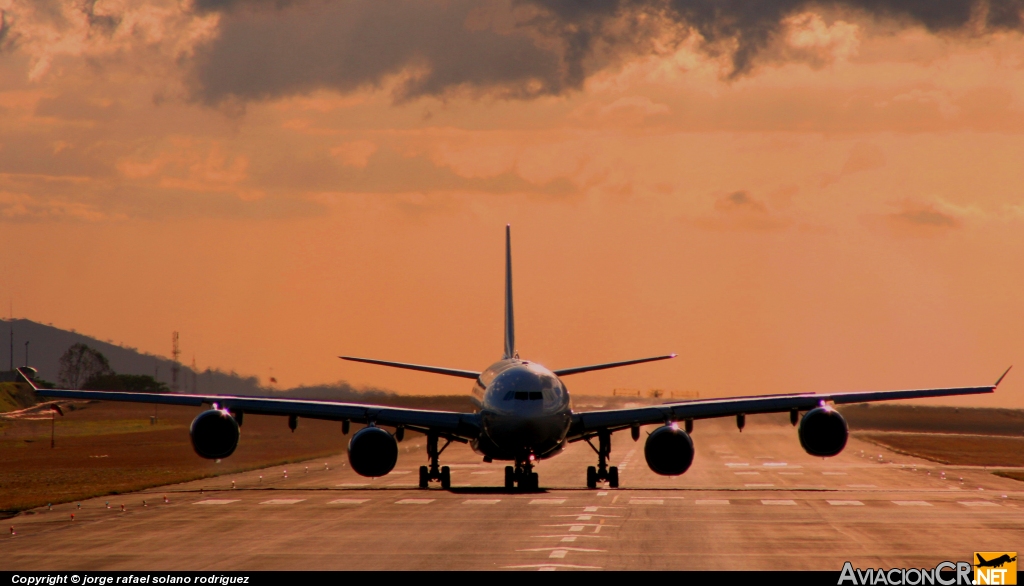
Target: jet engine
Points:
(214, 434)
(823, 432)
(372, 451)
(669, 450)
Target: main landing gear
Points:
(444, 473)
(522, 475)
(602, 472)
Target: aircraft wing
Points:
(586, 424)
(446, 423)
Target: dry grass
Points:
(109, 448)
(971, 450)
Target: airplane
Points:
(995, 563)
(525, 415)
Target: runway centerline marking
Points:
(978, 503)
(552, 567)
(282, 501)
(414, 502)
(590, 509)
(845, 503)
(216, 502)
(547, 501)
(481, 502)
(348, 501)
(483, 472)
(711, 501)
(777, 502)
(644, 501)
(912, 503)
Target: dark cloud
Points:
(740, 201)
(924, 217)
(507, 48)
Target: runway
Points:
(752, 500)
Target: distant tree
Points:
(80, 364)
(134, 383)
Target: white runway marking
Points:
(759, 485)
(414, 502)
(282, 501)
(481, 502)
(791, 473)
(777, 502)
(483, 472)
(912, 503)
(590, 509)
(350, 484)
(576, 528)
(394, 472)
(348, 501)
(711, 501)
(569, 538)
(216, 502)
(558, 553)
(845, 503)
(642, 501)
(747, 473)
(602, 493)
(543, 567)
(978, 504)
(771, 464)
(547, 501)
(737, 464)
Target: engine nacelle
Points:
(823, 432)
(669, 451)
(214, 434)
(372, 451)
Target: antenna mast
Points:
(175, 365)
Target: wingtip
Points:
(1003, 376)
(673, 355)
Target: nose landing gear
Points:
(602, 472)
(434, 472)
(522, 475)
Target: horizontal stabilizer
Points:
(433, 369)
(579, 369)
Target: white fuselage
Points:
(524, 409)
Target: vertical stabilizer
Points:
(510, 326)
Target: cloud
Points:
(741, 211)
(916, 219)
(530, 48)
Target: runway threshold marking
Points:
(777, 502)
(912, 503)
(348, 501)
(977, 503)
(711, 502)
(481, 501)
(282, 501)
(845, 503)
(216, 502)
(414, 501)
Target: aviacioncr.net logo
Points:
(944, 574)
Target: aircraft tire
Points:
(533, 481)
(510, 477)
(591, 477)
(446, 477)
(424, 477)
(613, 477)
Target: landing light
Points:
(674, 425)
(532, 457)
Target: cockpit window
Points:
(536, 396)
(509, 395)
(522, 396)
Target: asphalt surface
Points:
(752, 500)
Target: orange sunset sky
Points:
(792, 195)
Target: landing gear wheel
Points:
(510, 477)
(424, 477)
(591, 477)
(613, 477)
(446, 477)
(533, 481)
